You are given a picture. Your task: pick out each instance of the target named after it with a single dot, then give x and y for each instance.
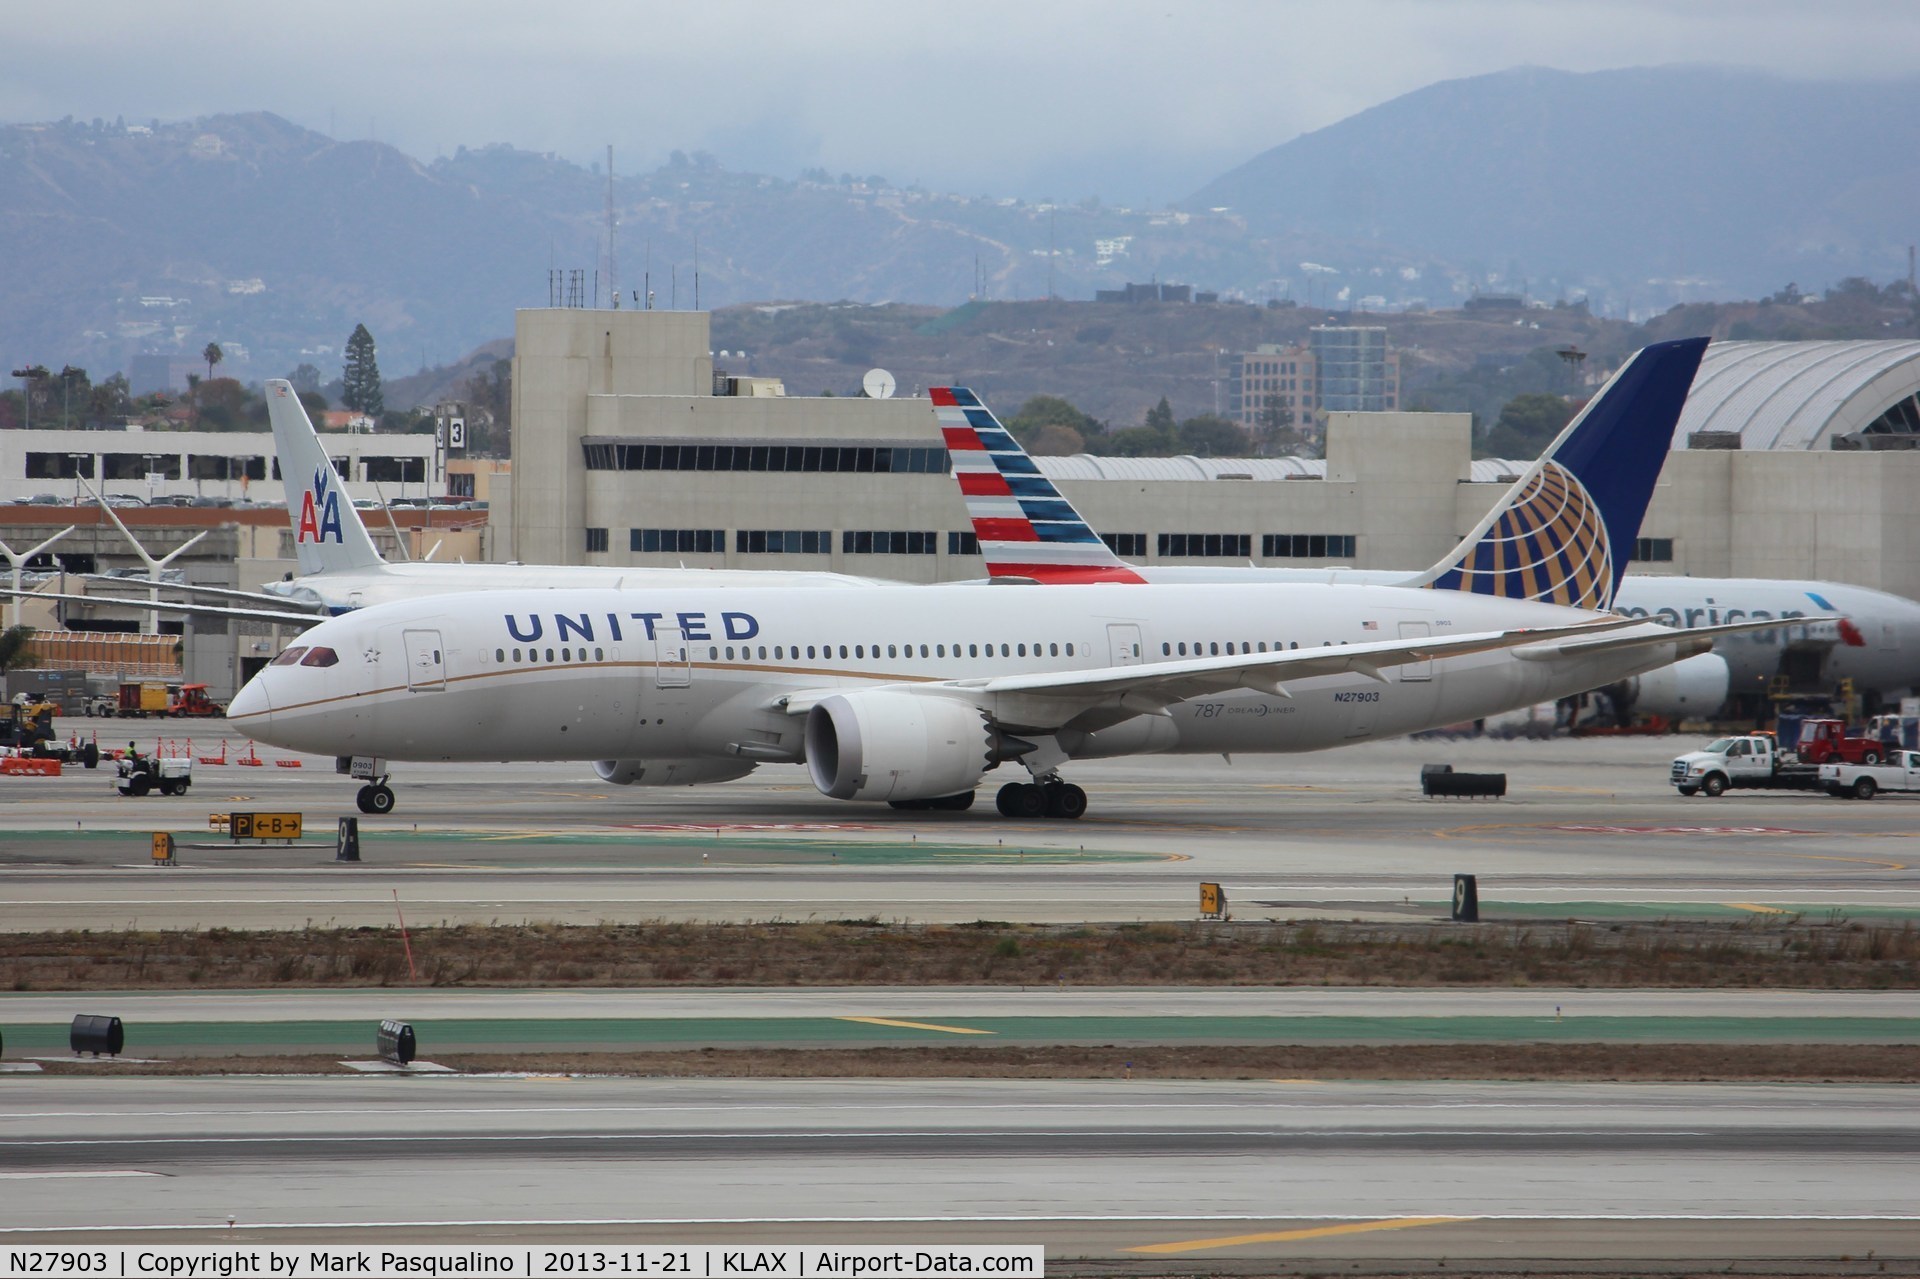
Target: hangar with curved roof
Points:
(1804, 395)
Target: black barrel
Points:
(395, 1042)
(95, 1034)
(347, 847)
(1466, 899)
(1441, 780)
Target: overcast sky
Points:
(1133, 101)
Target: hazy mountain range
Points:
(1639, 187)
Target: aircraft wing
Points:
(1146, 689)
(1580, 646)
(214, 592)
(278, 616)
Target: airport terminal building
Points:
(628, 449)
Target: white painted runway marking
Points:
(75, 1176)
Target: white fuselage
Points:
(686, 673)
(344, 590)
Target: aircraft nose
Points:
(250, 701)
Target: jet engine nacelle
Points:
(670, 772)
(1697, 686)
(895, 746)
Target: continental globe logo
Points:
(1550, 545)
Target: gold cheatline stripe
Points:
(1284, 1236)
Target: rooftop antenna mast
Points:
(696, 271)
(151, 624)
(19, 559)
(613, 266)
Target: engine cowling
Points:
(670, 772)
(1698, 686)
(887, 745)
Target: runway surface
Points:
(1591, 830)
(1200, 1170)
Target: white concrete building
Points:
(624, 455)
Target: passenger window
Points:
(859, 650)
(516, 654)
(327, 657)
(1069, 650)
(1216, 649)
(843, 650)
(973, 650)
(1023, 650)
(923, 650)
(1183, 648)
(499, 655)
(729, 652)
(566, 655)
(599, 655)
(1263, 646)
(1053, 650)
(1004, 652)
(940, 650)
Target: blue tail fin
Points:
(1564, 532)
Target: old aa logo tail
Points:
(1024, 526)
(328, 536)
(1564, 532)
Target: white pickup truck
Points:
(1863, 781)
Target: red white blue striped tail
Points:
(1024, 526)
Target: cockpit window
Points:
(290, 656)
(320, 657)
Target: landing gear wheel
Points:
(375, 799)
(1865, 788)
(1021, 799)
(1066, 800)
(1715, 786)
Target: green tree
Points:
(360, 377)
(305, 379)
(1528, 423)
(1043, 411)
(1211, 436)
(212, 355)
(1160, 417)
(14, 642)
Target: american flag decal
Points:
(1024, 526)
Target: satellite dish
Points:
(878, 384)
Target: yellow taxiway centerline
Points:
(919, 1025)
(1309, 1232)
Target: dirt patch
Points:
(1766, 952)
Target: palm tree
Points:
(212, 355)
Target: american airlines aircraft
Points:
(909, 694)
(340, 569)
(1027, 529)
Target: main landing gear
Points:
(376, 798)
(1051, 798)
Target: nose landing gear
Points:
(375, 797)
